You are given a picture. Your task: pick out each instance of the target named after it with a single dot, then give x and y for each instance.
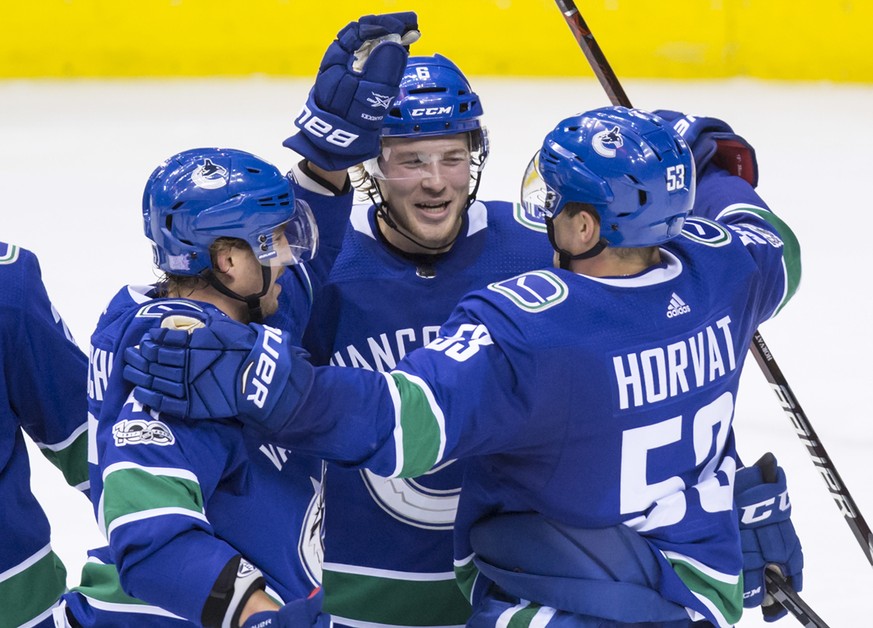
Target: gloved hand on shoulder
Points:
(303, 613)
(359, 78)
(713, 140)
(205, 366)
(766, 533)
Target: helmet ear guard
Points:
(633, 169)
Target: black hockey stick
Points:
(788, 597)
(820, 458)
(814, 448)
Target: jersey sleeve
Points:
(295, 301)
(731, 201)
(302, 282)
(423, 413)
(48, 379)
(157, 476)
(331, 209)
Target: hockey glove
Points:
(713, 140)
(297, 614)
(210, 367)
(359, 77)
(766, 533)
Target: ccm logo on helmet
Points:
(431, 111)
(265, 367)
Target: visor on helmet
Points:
(537, 197)
(415, 159)
(291, 242)
(399, 162)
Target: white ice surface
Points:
(75, 156)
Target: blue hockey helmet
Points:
(435, 98)
(202, 194)
(631, 166)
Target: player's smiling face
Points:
(426, 183)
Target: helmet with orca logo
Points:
(633, 168)
(199, 195)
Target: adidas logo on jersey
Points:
(677, 307)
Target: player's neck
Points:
(617, 263)
(235, 309)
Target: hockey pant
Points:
(594, 578)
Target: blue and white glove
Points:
(766, 533)
(201, 366)
(359, 77)
(713, 140)
(305, 613)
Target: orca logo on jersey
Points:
(142, 432)
(209, 175)
(606, 143)
(265, 367)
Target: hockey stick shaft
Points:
(814, 448)
(596, 58)
(789, 598)
(820, 458)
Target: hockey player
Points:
(595, 399)
(178, 502)
(41, 394)
(286, 543)
(407, 258)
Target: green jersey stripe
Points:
(721, 593)
(356, 596)
(102, 588)
(30, 588)
(524, 615)
(131, 493)
(100, 582)
(420, 435)
(175, 472)
(790, 255)
(466, 573)
(70, 456)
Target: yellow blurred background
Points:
(770, 39)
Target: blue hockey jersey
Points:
(388, 541)
(178, 499)
(42, 388)
(595, 401)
